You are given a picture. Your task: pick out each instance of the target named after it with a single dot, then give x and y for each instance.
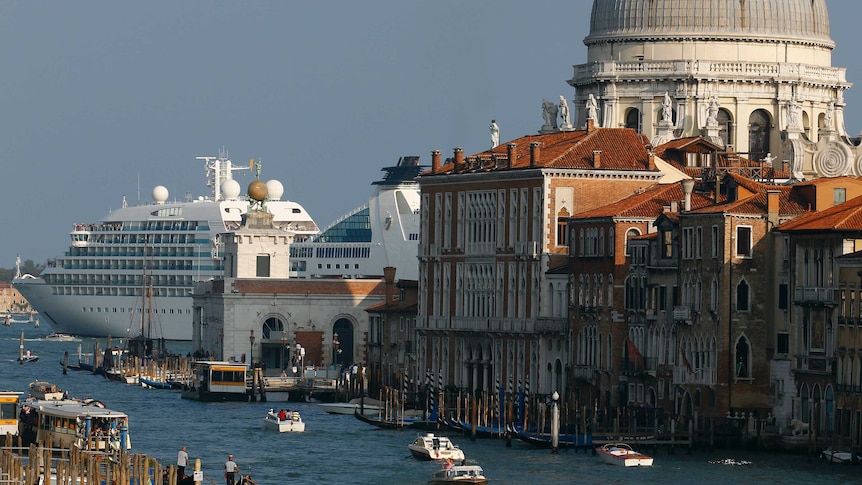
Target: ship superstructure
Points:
(96, 287)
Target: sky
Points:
(106, 99)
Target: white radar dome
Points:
(230, 189)
(275, 189)
(160, 194)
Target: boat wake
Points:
(731, 461)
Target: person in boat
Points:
(182, 461)
(448, 464)
(282, 415)
(246, 480)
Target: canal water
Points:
(341, 449)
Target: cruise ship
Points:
(99, 286)
(382, 232)
(102, 285)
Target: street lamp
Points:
(283, 345)
(336, 351)
(251, 347)
(300, 352)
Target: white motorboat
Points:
(459, 474)
(838, 456)
(61, 337)
(367, 406)
(432, 447)
(284, 421)
(623, 454)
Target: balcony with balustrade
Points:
(815, 296)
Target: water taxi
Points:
(217, 381)
(9, 412)
(86, 424)
(459, 474)
(623, 454)
(432, 447)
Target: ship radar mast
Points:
(218, 170)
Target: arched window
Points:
(725, 121)
(742, 369)
(758, 134)
(633, 119)
(742, 296)
(272, 328)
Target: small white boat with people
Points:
(429, 446)
(61, 337)
(284, 421)
(459, 474)
(838, 455)
(623, 454)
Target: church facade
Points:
(754, 76)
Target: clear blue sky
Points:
(103, 99)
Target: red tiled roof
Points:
(789, 204)
(846, 216)
(621, 149)
(651, 202)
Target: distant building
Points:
(11, 301)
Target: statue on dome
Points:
(666, 108)
(829, 115)
(549, 112)
(592, 108)
(793, 110)
(565, 120)
(712, 111)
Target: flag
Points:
(687, 363)
(634, 354)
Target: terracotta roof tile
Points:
(649, 203)
(846, 216)
(621, 149)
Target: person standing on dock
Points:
(230, 469)
(182, 462)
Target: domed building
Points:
(755, 76)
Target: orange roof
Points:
(648, 203)
(846, 216)
(621, 149)
(752, 199)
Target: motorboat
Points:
(623, 454)
(838, 456)
(366, 406)
(284, 421)
(459, 474)
(429, 446)
(27, 357)
(45, 391)
(61, 337)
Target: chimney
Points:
(459, 158)
(510, 151)
(772, 206)
(534, 153)
(687, 188)
(597, 158)
(435, 161)
(389, 278)
(674, 206)
(651, 161)
(717, 188)
(591, 125)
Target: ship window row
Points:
(187, 238)
(160, 248)
(99, 264)
(84, 290)
(156, 311)
(343, 252)
(120, 280)
(148, 225)
(337, 266)
(301, 251)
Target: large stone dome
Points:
(795, 21)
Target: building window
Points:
(742, 296)
(743, 241)
(758, 134)
(633, 119)
(783, 296)
(743, 367)
(839, 196)
(666, 244)
(714, 242)
(783, 343)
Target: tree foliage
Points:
(27, 266)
